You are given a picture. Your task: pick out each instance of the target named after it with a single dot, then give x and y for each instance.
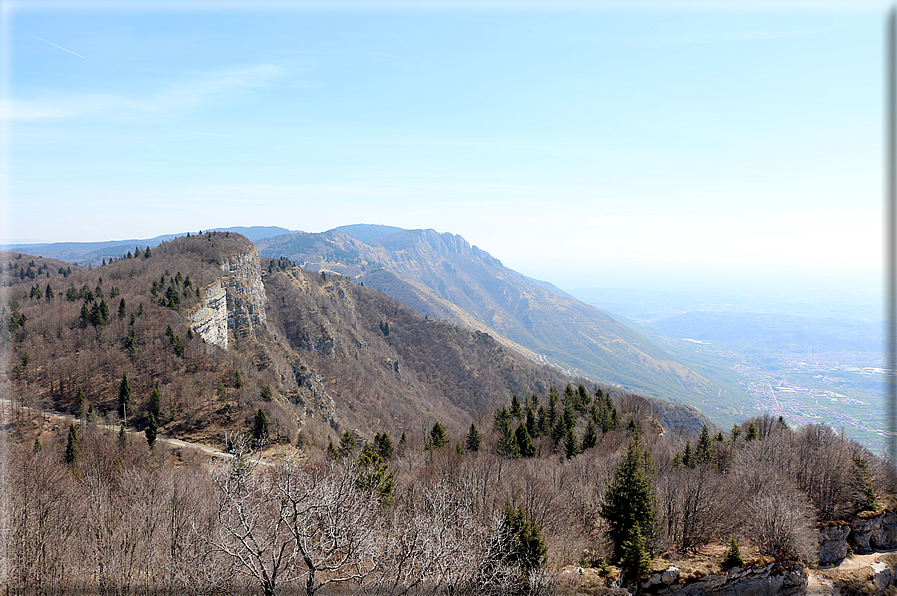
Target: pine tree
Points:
(331, 450)
(373, 477)
(260, 426)
(122, 435)
(571, 444)
(733, 556)
(525, 548)
(124, 394)
(265, 393)
(48, 294)
(524, 441)
(515, 410)
(383, 445)
(238, 379)
(438, 438)
(37, 447)
(121, 308)
(704, 451)
(590, 438)
(688, 458)
(629, 499)
(473, 439)
(152, 429)
(71, 447)
(751, 433)
(635, 558)
(155, 404)
(347, 444)
(507, 440)
(79, 403)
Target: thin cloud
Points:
(183, 95)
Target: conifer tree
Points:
(373, 477)
(383, 445)
(80, 398)
(155, 404)
(37, 447)
(688, 458)
(733, 556)
(524, 441)
(507, 439)
(635, 558)
(438, 438)
(704, 451)
(124, 394)
(526, 549)
(48, 294)
(516, 410)
(590, 438)
(121, 308)
(473, 438)
(331, 450)
(151, 431)
(71, 446)
(347, 444)
(571, 444)
(238, 379)
(122, 435)
(260, 426)
(751, 433)
(629, 499)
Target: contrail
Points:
(50, 42)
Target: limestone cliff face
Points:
(246, 298)
(236, 302)
(209, 321)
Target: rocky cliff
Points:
(235, 302)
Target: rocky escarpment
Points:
(832, 538)
(235, 302)
(869, 532)
(209, 321)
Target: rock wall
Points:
(871, 532)
(832, 540)
(245, 294)
(236, 301)
(209, 321)
(775, 578)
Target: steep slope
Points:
(431, 271)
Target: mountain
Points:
(220, 333)
(442, 276)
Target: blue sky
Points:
(586, 145)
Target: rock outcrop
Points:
(235, 302)
(832, 542)
(775, 578)
(873, 531)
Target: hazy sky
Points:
(587, 145)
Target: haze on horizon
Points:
(589, 145)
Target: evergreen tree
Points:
(552, 406)
(265, 394)
(704, 451)
(155, 404)
(403, 441)
(347, 444)
(532, 427)
(383, 445)
(629, 499)
(751, 433)
(124, 394)
(122, 435)
(71, 446)
(516, 410)
(522, 537)
(373, 477)
(37, 447)
(590, 438)
(238, 379)
(635, 558)
(524, 441)
(735, 432)
(571, 444)
(80, 399)
(543, 422)
(48, 294)
(733, 556)
(473, 438)
(152, 429)
(507, 439)
(260, 426)
(331, 450)
(438, 438)
(121, 308)
(458, 448)
(688, 458)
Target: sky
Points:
(591, 144)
